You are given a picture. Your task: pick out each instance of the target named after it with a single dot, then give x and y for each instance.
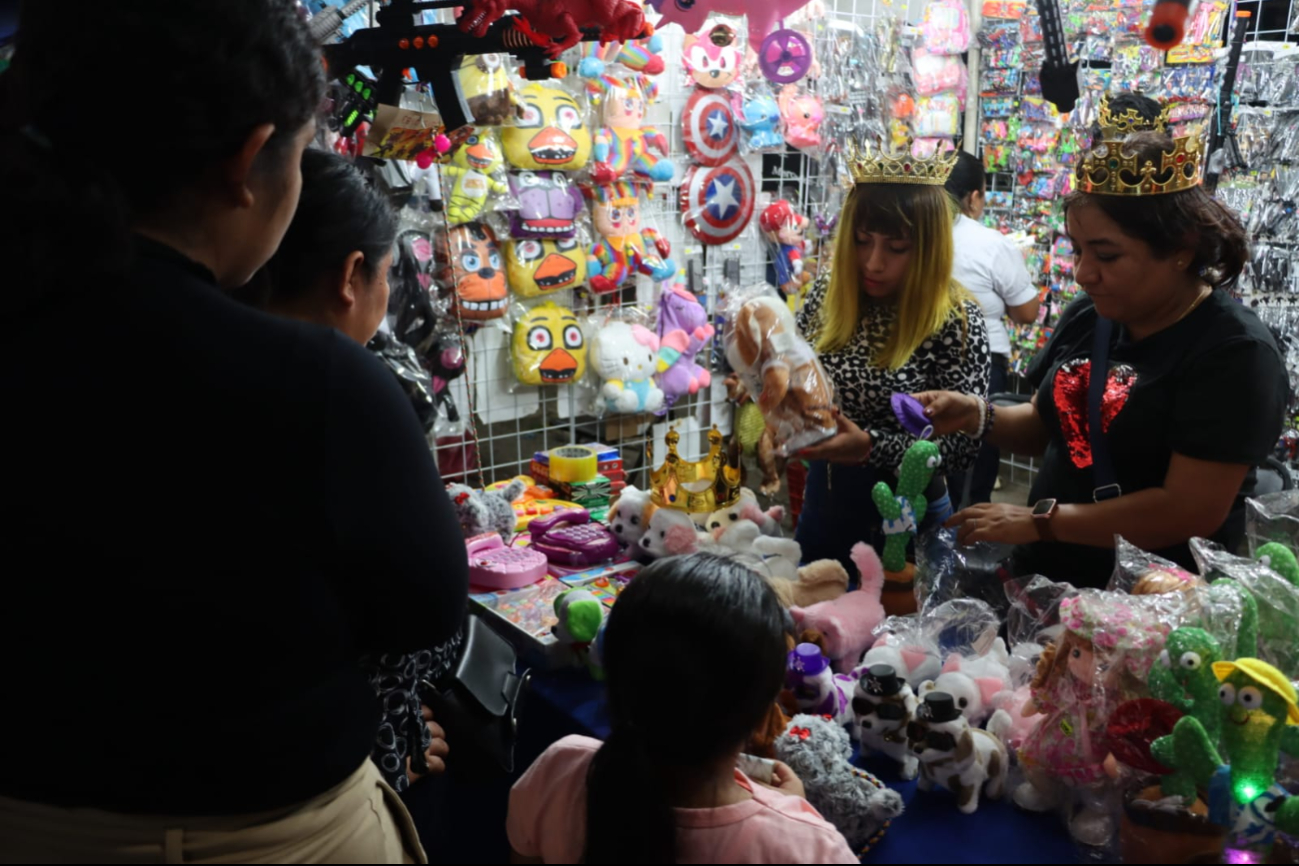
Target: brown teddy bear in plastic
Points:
(782, 372)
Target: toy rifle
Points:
(435, 52)
(1059, 76)
(326, 23)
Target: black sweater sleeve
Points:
(401, 556)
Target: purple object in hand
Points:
(911, 415)
(570, 538)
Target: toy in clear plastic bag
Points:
(946, 571)
(760, 119)
(624, 145)
(549, 133)
(946, 27)
(1273, 518)
(784, 231)
(684, 332)
(415, 380)
(1277, 602)
(637, 55)
(626, 245)
(549, 204)
(476, 172)
(802, 113)
(538, 267)
(488, 91)
(779, 369)
(625, 357)
(714, 55)
(470, 269)
(1137, 572)
(549, 347)
(445, 360)
(935, 73)
(936, 116)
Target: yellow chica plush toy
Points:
(549, 346)
(548, 132)
(538, 267)
(475, 173)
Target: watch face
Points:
(1044, 507)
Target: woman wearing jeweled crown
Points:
(887, 318)
(1163, 449)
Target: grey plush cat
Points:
(486, 511)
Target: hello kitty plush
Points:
(626, 356)
(803, 113)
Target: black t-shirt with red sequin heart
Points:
(1212, 386)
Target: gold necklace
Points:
(1199, 300)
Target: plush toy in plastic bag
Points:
(625, 357)
(936, 116)
(783, 229)
(548, 133)
(539, 267)
(759, 117)
(713, 56)
(415, 380)
(549, 346)
(1274, 517)
(935, 73)
(637, 55)
(946, 570)
(549, 205)
(624, 145)
(1140, 573)
(779, 368)
(470, 266)
(802, 113)
(946, 27)
(445, 360)
(476, 172)
(486, 86)
(684, 331)
(626, 246)
(1277, 601)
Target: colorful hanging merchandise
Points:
(625, 357)
(708, 127)
(538, 267)
(684, 331)
(549, 346)
(549, 204)
(713, 56)
(802, 113)
(471, 269)
(624, 145)
(627, 246)
(476, 172)
(717, 202)
(548, 133)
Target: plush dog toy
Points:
(956, 756)
(819, 753)
(902, 512)
(822, 580)
(882, 707)
(747, 509)
(914, 661)
(630, 516)
(491, 511)
(848, 622)
(781, 372)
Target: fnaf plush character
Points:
(549, 346)
(537, 267)
(624, 145)
(475, 173)
(784, 229)
(626, 247)
(548, 205)
(471, 267)
(485, 83)
(548, 133)
(713, 56)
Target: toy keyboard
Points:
(492, 565)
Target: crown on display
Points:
(876, 166)
(1108, 169)
(697, 488)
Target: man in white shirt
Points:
(992, 268)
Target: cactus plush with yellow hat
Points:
(549, 346)
(1260, 719)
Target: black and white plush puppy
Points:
(956, 756)
(882, 707)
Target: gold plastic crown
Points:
(1108, 169)
(876, 166)
(696, 488)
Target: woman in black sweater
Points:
(195, 565)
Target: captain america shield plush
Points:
(717, 201)
(708, 126)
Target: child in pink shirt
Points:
(694, 656)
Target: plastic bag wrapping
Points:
(549, 205)
(549, 132)
(946, 571)
(1141, 573)
(784, 231)
(802, 112)
(714, 56)
(537, 267)
(625, 245)
(488, 91)
(471, 271)
(1277, 601)
(759, 117)
(624, 147)
(1274, 517)
(779, 368)
(684, 332)
(549, 345)
(415, 380)
(624, 359)
(474, 176)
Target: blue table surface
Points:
(931, 830)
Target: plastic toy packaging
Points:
(488, 91)
(683, 331)
(624, 360)
(623, 144)
(1273, 518)
(946, 27)
(785, 230)
(802, 113)
(713, 57)
(415, 380)
(549, 205)
(539, 267)
(471, 271)
(935, 73)
(779, 368)
(642, 56)
(474, 178)
(760, 119)
(1276, 599)
(549, 345)
(937, 116)
(625, 246)
(946, 571)
(549, 132)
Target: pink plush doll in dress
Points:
(847, 623)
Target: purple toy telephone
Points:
(569, 537)
(492, 565)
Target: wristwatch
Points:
(1043, 511)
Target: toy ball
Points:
(536, 267)
(549, 346)
(548, 132)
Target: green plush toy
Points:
(1280, 559)
(1247, 634)
(580, 614)
(1257, 718)
(900, 511)
(1184, 678)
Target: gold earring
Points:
(1180, 263)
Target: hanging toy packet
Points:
(779, 368)
(475, 176)
(549, 346)
(625, 357)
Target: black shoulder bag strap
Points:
(1107, 485)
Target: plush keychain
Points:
(684, 331)
(784, 230)
(471, 267)
(902, 511)
(803, 114)
(713, 55)
(537, 267)
(548, 133)
(549, 205)
(627, 248)
(549, 347)
(760, 118)
(625, 357)
(623, 145)
(475, 172)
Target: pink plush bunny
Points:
(847, 623)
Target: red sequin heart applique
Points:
(1070, 392)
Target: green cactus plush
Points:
(1184, 678)
(1247, 635)
(1280, 559)
(903, 511)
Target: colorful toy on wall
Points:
(538, 267)
(717, 202)
(708, 127)
(784, 230)
(558, 26)
(623, 145)
(684, 331)
(760, 118)
(763, 15)
(470, 266)
(713, 55)
(638, 55)
(956, 756)
(549, 347)
(549, 204)
(475, 172)
(903, 511)
(625, 357)
(803, 113)
(883, 705)
(627, 247)
(485, 84)
(548, 133)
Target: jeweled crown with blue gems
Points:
(1108, 169)
(876, 166)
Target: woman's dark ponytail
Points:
(623, 782)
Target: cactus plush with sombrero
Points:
(903, 511)
(1259, 719)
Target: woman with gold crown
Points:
(1162, 449)
(887, 318)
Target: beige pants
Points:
(359, 821)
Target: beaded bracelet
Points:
(992, 419)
